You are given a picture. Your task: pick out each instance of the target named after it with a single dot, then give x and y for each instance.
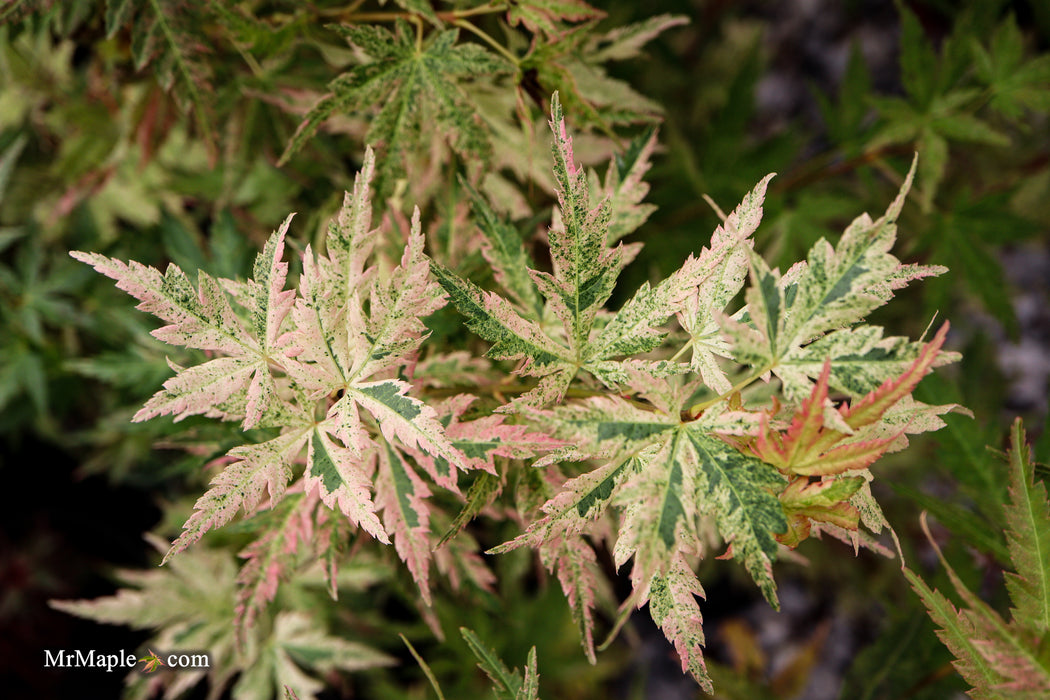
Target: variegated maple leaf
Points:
(418, 86)
(191, 605)
(568, 334)
(203, 318)
(670, 480)
(320, 363)
(794, 322)
(547, 16)
(401, 494)
(270, 558)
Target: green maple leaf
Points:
(935, 111)
(418, 86)
(507, 684)
(572, 63)
(1016, 84)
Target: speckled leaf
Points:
(344, 480)
(584, 273)
(351, 237)
(673, 606)
(656, 506)
(579, 501)
(482, 440)
(400, 496)
(585, 269)
(402, 417)
(725, 265)
(546, 16)
(197, 390)
(738, 491)
(197, 318)
(394, 329)
(261, 469)
(835, 288)
(272, 301)
(203, 318)
(413, 84)
(625, 189)
(318, 356)
(861, 359)
(581, 580)
(503, 249)
(268, 559)
(704, 283)
(513, 337)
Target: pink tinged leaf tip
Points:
(870, 408)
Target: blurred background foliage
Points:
(154, 131)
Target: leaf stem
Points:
(423, 665)
(377, 16)
(696, 409)
(499, 48)
(350, 14)
(681, 350)
(489, 9)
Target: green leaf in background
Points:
(906, 660)
(995, 656)
(507, 684)
(1016, 84)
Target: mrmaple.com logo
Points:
(107, 661)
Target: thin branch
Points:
(499, 48)
(696, 409)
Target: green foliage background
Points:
(177, 149)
